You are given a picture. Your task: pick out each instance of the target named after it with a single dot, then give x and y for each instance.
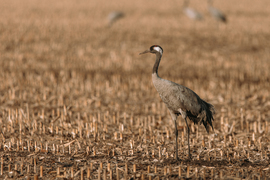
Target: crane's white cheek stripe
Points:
(158, 49)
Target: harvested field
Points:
(77, 101)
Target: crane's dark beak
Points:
(147, 51)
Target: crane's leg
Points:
(174, 118)
(188, 139)
(184, 116)
(176, 141)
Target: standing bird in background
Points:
(180, 100)
(215, 13)
(114, 16)
(190, 12)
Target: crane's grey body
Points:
(180, 100)
(215, 13)
(191, 13)
(176, 96)
(114, 16)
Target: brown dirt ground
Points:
(74, 93)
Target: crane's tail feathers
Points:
(206, 115)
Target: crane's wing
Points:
(180, 97)
(177, 97)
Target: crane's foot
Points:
(175, 161)
(189, 158)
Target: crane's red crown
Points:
(156, 48)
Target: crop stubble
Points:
(77, 99)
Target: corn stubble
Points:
(78, 102)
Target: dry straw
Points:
(77, 101)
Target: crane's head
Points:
(154, 49)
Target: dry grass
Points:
(75, 95)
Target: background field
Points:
(76, 97)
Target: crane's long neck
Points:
(155, 68)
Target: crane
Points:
(114, 16)
(216, 13)
(180, 100)
(190, 12)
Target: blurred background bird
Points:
(216, 13)
(114, 16)
(190, 12)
